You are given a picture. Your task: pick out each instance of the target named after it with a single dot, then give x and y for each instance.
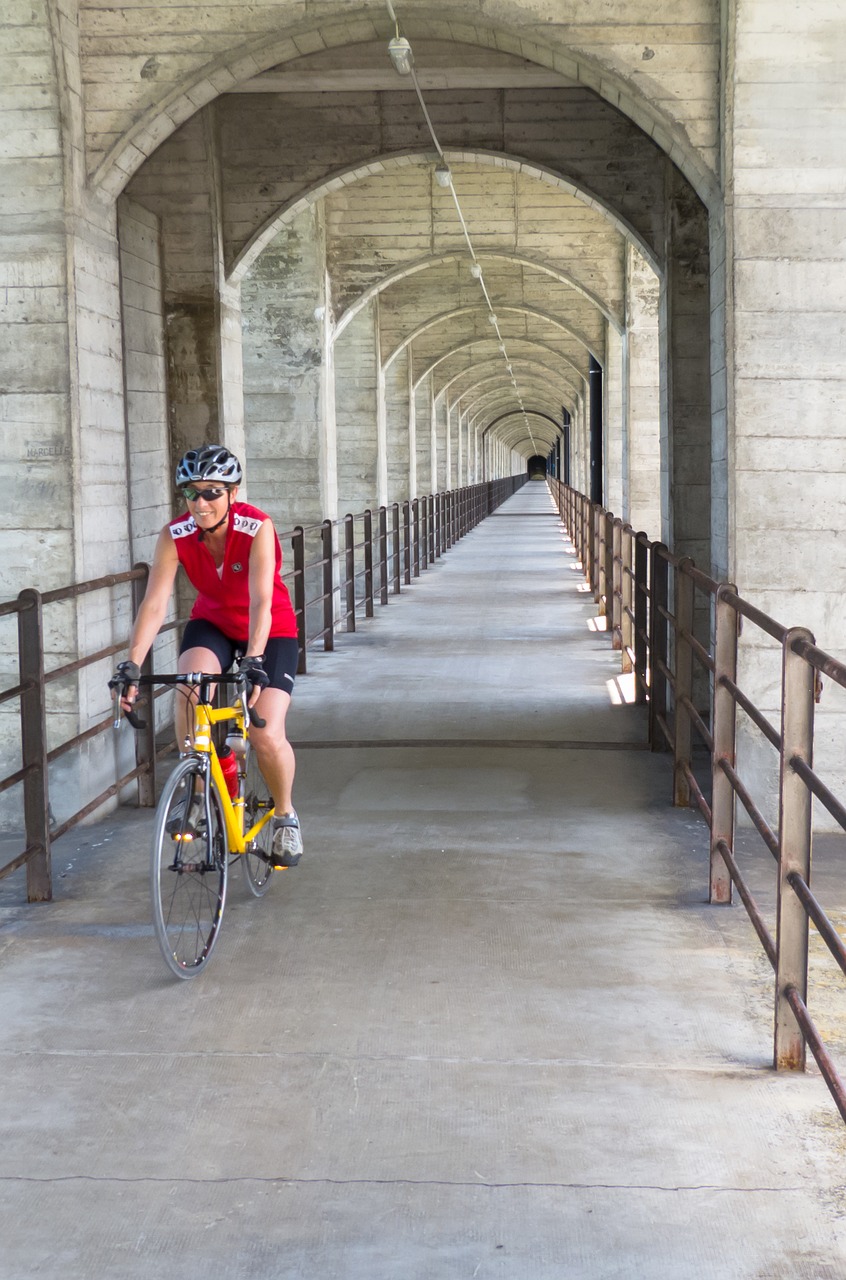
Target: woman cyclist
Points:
(231, 554)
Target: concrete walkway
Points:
(488, 1028)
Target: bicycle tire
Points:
(188, 895)
(257, 800)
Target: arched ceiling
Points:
(144, 70)
(553, 268)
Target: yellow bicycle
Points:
(201, 827)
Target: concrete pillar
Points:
(412, 430)
(356, 411)
(615, 424)
(287, 396)
(150, 494)
(785, 164)
(61, 384)
(327, 424)
(645, 456)
(422, 431)
(686, 372)
(434, 439)
(398, 426)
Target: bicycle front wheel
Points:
(257, 802)
(189, 869)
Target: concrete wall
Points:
(785, 161)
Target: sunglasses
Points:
(211, 495)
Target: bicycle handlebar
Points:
(190, 677)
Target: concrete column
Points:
(288, 395)
(397, 402)
(785, 166)
(614, 427)
(686, 372)
(356, 412)
(412, 431)
(145, 377)
(327, 424)
(381, 417)
(61, 384)
(434, 433)
(422, 431)
(449, 457)
(645, 456)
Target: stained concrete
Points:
(489, 1027)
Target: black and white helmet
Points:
(209, 462)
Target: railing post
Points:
(368, 563)
(406, 523)
(415, 508)
(794, 826)
(608, 548)
(395, 548)
(598, 582)
(328, 554)
(39, 880)
(724, 728)
(383, 555)
(349, 569)
(432, 502)
(145, 739)
(615, 612)
(298, 550)
(659, 575)
(641, 586)
(424, 531)
(683, 683)
(626, 597)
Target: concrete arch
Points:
(498, 401)
(494, 159)
(538, 370)
(458, 311)
(477, 341)
(531, 389)
(371, 23)
(518, 259)
(537, 413)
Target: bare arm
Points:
(262, 572)
(153, 608)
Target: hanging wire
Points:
(443, 160)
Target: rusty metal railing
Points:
(338, 570)
(657, 606)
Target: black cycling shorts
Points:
(281, 653)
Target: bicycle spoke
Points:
(189, 870)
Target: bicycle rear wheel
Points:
(189, 870)
(257, 802)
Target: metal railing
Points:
(657, 607)
(338, 571)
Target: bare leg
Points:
(273, 750)
(183, 710)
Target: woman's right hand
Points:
(125, 680)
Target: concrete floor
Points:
(488, 1028)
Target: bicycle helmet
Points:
(209, 462)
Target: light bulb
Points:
(401, 56)
(475, 271)
(492, 319)
(443, 177)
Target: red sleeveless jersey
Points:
(224, 598)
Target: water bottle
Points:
(229, 765)
(236, 742)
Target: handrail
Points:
(668, 639)
(340, 567)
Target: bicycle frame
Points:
(205, 717)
